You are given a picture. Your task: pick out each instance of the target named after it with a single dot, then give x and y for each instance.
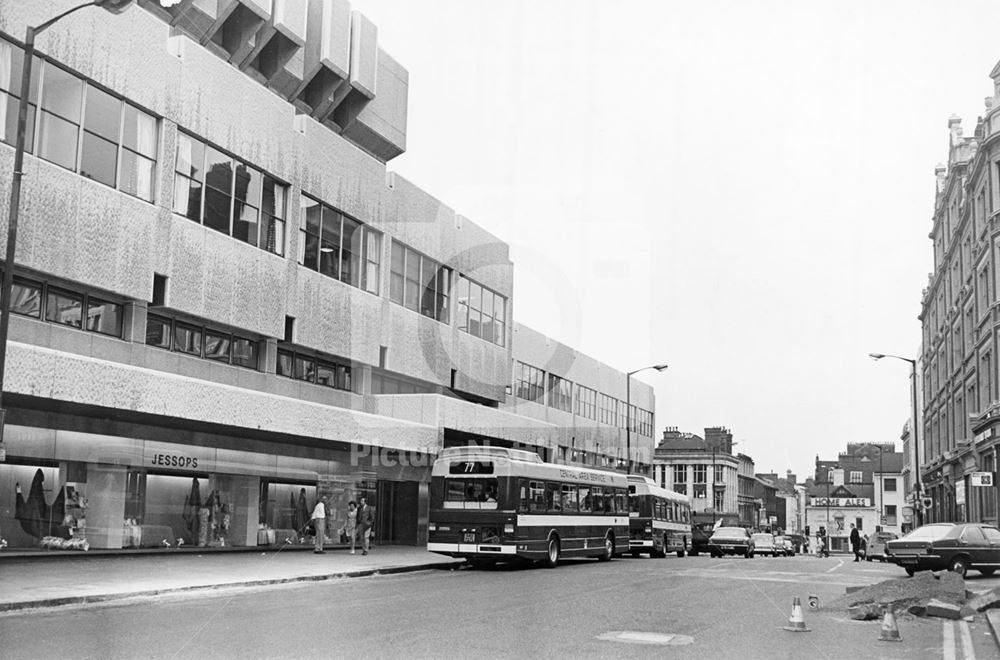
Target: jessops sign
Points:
(841, 501)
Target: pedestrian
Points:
(856, 542)
(319, 523)
(365, 522)
(351, 526)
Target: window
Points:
(586, 402)
(719, 500)
(65, 307)
(680, 475)
(536, 496)
(719, 476)
(386, 384)
(855, 477)
(228, 195)
(80, 127)
(560, 393)
(700, 491)
(699, 474)
(890, 514)
(889, 485)
(481, 311)
(529, 383)
(338, 246)
(569, 503)
(314, 369)
(201, 341)
(608, 413)
(419, 283)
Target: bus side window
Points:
(569, 497)
(552, 502)
(620, 502)
(609, 501)
(536, 491)
(597, 494)
(584, 492)
(523, 497)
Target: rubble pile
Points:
(926, 594)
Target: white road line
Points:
(967, 649)
(840, 562)
(948, 640)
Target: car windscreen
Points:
(767, 538)
(730, 532)
(929, 533)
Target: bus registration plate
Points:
(469, 537)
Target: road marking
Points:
(967, 650)
(948, 640)
(633, 637)
(840, 562)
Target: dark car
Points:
(700, 535)
(731, 541)
(876, 545)
(953, 546)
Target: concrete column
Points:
(267, 355)
(134, 322)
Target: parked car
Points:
(953, 546)
(764, 544)
(876, 545)
(731, 541)
(784, 546)
(700, 535)
(798, 542)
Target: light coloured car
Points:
(764, 544)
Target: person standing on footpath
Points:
(351, 526)
(365, 521)
(319, 523)
(856, 542)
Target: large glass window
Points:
(419, 283)
(201, 341)
(530, 384)
(560, 393)
(228, 195)
(586, 402)
(338, 246)
(80, 126)
(481, 311)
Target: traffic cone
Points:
(890, 631)
(796, 622)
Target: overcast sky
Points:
(740, 189)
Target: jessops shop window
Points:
(228, 195)
(339, 246)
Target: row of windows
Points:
(659, 508)
(385, 384)
(553, 497)
(228, 195)
(419, 283)
(201, 341)
(64, 307)
(313, 369)
(338, 246)
(80, 126)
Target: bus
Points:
(492, 503)
(659, 519)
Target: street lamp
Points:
(113, 6)
(628, 412)
(916, 455)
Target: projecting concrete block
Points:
(943, 610)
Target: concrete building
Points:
(225, 304)
(704, 469)
(862, 487)
(960, 409)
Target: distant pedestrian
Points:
(365, 522)
(319, 523)
(351, 526)
(856, 542)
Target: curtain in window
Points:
(5, 63)
(145, 132)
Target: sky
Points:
(742, 190)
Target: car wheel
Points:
(635, 555)
(910, 571)
(552, 556)
(987, 571)
(959, 565)
(693, 553)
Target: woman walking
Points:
(351, 526)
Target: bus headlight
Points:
(432, 527)
(508, 528)
(649, 529)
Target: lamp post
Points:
(113, 6)
(628, 412)
(917, 515)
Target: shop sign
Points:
(178, 457)
(978, 478)
(841, 501)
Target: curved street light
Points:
(628, 412)
(917, 515)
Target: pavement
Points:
(45, 580)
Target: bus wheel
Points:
(680, 553)
(609, 549)
(552, 557)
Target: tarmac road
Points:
(684, 608)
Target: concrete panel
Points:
(328, 29)
(289, 19)
(364, 55)
(379, 126)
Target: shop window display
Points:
(285, 510)
(179, 511)
(41, 511)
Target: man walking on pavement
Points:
(319, 524)
(855, 542)
(365, 522)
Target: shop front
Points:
(69, 490)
